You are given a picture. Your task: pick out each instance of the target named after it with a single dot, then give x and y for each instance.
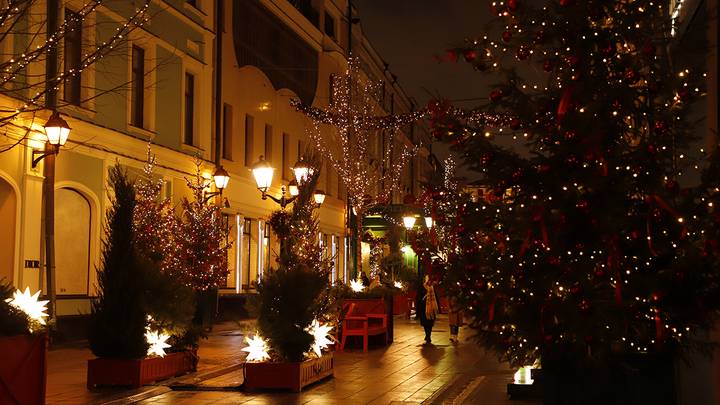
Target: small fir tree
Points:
(201, 240)
(296, 293)
(118, 317)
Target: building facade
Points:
(159, 86)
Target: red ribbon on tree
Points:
(613, 262)
(538, 216)
(565, 102)
(656, 199)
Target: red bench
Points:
(363, 317)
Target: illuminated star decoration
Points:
(356, 285)
(256, 348)
(321, 333)
(30, 305)
(398, 284)
(157, 341)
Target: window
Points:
(268, 143)
(73, 57)
(227, 132)
(137, 100)
(332, 89)
(249, 139)
(286, 156)
(329, 25)
(188, 137)
(301, 149)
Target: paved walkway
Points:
(404, 372)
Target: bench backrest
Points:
(359, 307)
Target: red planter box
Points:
(138, 372)
(23, 369)
(293, 376)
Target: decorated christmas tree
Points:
(201, 240)
(584, 247)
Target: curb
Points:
(153, 391)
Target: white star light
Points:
(321, 333)
(157, 342)
(29, 304)
(398, 285)
(356, 285)
(256, 348)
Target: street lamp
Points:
(303, 171)
(221, 179)
(429, 222)
(263, 173)
(56, 131)
(319, 197)
(409, 221)
(293, 188)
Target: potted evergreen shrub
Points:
(287, 353)
(23, 344)
(138, 306)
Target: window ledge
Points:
(76, 110)
(191, 149)
(141, 131)
(194, 10)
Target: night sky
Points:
(409, 33)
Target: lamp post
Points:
(221, 178)
(57, 131)
(263, 173)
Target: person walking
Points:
(426, 306)
(455, 319)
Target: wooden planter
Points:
(293, 376)
(138, 372)
(23, 369)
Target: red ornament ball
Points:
(506, 36)
(570, 135)
(514, 123)
(512, 5)
(630, 75)
(470, 55)
(496, 95)
(548, 66)
(584, 305)
(566, 3)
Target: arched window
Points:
(72, 242)
(8, 210)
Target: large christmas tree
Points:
(585, 246)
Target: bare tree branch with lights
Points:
(345, 133)
(29, 43)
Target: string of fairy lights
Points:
(17, 64)
(345, 133)
(193, 246)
